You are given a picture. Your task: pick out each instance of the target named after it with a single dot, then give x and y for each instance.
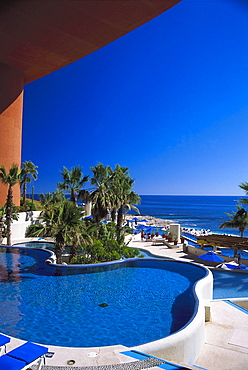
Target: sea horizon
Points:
(198, 212)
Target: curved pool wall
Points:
(184, 345)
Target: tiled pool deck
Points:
(225, 348)
(134, 365)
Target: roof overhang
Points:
(38, 37)
(225, 241)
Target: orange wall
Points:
(11, 98)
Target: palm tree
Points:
(82, 237)
(28, 174)
(122, 194)
(117, 188)
(238, 220)
(48, 200)
(244, 186)
(2, 224)
(10, 179)
(132, 199)
(73, 181)
(101, 195)
(62, 222)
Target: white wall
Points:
(18, 228)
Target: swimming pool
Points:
(37, 244)
(230, 284)
(130, 303)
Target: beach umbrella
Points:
(135, 219)
(232, 263)
(227, 266)
(143, 220)
(211, 256)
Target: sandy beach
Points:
(151, 221)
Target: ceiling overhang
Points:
(38, 37)
(225, 241)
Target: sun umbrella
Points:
(143, 220)
(135, 219)
(227, 266)
(211, 256)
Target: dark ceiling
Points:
(38, 37)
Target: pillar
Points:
(175, 231)
(11, 102)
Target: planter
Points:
(175, 242)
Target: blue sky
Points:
(169, 100)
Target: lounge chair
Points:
(3, 341)
(23, 356)
(156, 241)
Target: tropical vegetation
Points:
(28, 174)
(73, 181)
(238, 220)
(113, 193)
(104, 246)
(90, 240)
(62, 222)
(9, 178)
(2, 223)
(244, 186)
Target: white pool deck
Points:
(226, 343)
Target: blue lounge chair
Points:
(22, 356)
(3, 341)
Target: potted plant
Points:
(170, 237)
(175, 239)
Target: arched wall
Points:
(11, 103)
(40, 37)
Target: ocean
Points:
(192, 211)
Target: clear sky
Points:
(169, 100)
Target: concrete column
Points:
(88, 207)
(175, 231)
(11, 103)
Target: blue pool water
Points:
(38, 244)
(230, 284)
(141, 304)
